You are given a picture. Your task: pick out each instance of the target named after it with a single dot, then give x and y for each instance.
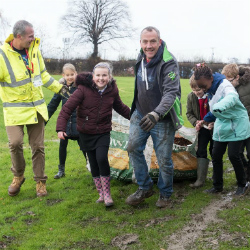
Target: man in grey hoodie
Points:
(155, 112)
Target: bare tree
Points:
(98, 21)
(3, 27)
(233, 60)
(47, 47)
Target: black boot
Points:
(61, 172)
(248, 172)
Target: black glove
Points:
(64, 92)
(149, 121)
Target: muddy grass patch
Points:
(31, 221)
(180, 193)
(51, 202)
(10, 219)
(123, 241)
(127, 211)
(6, 240)
(143, 205)
(86, 222)
(94, 220)
(186, 238)
(147, 223)
(122, 225)
(157, 221)
(211, 240)
(123, 193)
(90, 244)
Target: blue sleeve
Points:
(53, 105)
(209, 117)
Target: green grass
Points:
(69, 218)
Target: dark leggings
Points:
(204, 137)
(98, 159)
(219, 149)
(245, 144)
(63, 150)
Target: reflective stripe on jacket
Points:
(21, 99)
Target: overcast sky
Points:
(190, 28)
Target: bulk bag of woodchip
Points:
(184, 159)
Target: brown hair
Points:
(192, 82)
(230, 70)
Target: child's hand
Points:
(198, 125)
(210, 125)
(61, 135)
(64, 92)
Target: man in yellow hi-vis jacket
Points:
(22, 75)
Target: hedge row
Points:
(120, 68)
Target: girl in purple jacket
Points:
(96, 95)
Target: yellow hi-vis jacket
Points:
(21, 99)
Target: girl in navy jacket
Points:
(69, 76)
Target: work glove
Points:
(64, 92)
(149, 121)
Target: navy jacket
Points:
(71, 129)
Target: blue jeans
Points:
(163, 138)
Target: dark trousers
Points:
(98, 159)
(204, 137)
(219, 149)
(245, 144)
(63, 150)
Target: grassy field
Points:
(69, 218)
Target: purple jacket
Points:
(94, 111)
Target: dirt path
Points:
(185, 237)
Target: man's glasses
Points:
(231, 80)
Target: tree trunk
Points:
(95, 52)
